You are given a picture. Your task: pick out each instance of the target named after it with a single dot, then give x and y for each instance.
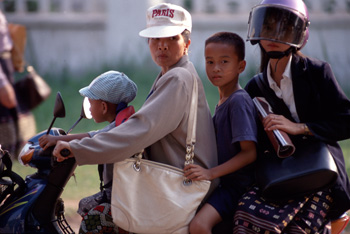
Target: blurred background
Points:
(79, 36)
(70, 42)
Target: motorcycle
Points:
(33, 204)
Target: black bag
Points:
(31, 90)
(309, 169)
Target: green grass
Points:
(86, 181)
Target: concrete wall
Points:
(76, 42)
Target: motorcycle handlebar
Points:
(65, 152)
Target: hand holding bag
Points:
(151, 197)
(31, 90)
(309, 169)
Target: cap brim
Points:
(87, 93)
(162, 31)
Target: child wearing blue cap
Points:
(109, 95)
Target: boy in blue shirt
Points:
(236, 133)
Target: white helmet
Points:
(284, 21)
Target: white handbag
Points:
(152, 197)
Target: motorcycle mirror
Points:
(85, 113)
(58, 112)
(85, 110)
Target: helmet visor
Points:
(277, 24)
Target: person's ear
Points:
(241, 66)
(186, 46)
(104, 107)
(188, 43)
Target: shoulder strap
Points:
(278, 105)
(191, 128)
(263, 88)
(192, 124)
(192, 118)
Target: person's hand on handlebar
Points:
(46, 141)
(60, 147)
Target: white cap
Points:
(166, 20)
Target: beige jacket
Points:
(160, 126)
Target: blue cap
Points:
(112, 86)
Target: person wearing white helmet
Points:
(311, 107)
(160, 125)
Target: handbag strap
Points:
(278, 105)
(261, 84)
(191, 128)
(192, 124)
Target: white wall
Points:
(77, 42)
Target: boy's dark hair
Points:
(231, 39)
